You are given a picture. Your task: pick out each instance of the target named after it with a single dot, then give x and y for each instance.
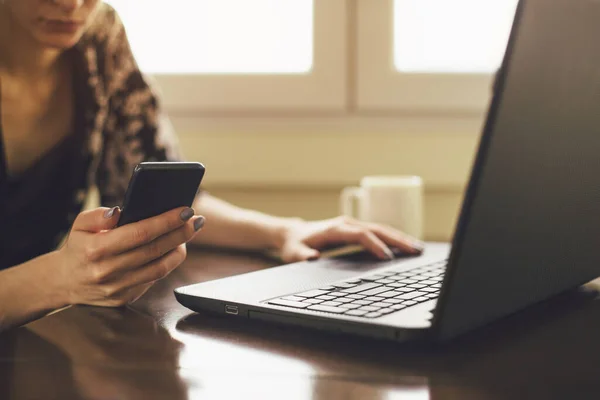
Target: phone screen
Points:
(156, 188)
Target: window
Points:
(209, 37)
(443, 58)
(459, 36)
(211, 57)
(240, 54)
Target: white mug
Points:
(396, 201)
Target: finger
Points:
(395, 238)
(97, 220)
(349, 234)
(150, 273)
(300, 252)
(134, 294)
(125, 297)
(139, 233)
(152, 251)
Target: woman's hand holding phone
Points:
(107, 266)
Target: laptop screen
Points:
(530, 224)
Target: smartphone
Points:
(157, 187)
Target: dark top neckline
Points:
(33, 203)
(10, 182)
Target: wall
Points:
(300, 170)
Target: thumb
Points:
(300, 252)
(97, 220)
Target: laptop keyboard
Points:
(374, 295)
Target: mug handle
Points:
(349, 196)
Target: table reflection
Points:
(99, 353)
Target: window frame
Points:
(380, 86)
(323, 87)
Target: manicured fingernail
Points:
(418, 245)
(186, 214)
(389, 254)
(417, 248)
(109, 213)
(313, 258)
(199, 223)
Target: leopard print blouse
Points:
(120, 125)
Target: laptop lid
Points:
(530, 223)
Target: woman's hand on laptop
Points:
(302, 240)
(107, 266)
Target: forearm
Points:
(234, 227)
(26, 292)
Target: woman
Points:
(77, 113)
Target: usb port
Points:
(231, 310)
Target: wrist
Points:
(28, 291)
(281, 231)
(53, 282)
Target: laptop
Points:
(529, 225)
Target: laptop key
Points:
(325, 297)
(361, 288)
(384, 281)
(343, 285)
(380, 305)
(344, 300)
(312, 293)
(286, 303)
(356, 313)
(419, 277)
(336, 294)
(329, 309)
(409, 303)
(417, 285)
(374, 298)
(375, 291)
(327, 288)
(354, 281)
(401, 292)
(349, 306)
(407, 281)
(392, 301)
(398, 307)
(410, 296)
(312, 301)
(429, 289)
(373, 315)
(433, 295)
(370, 278)
(388, 294)
(357, 296)
(369, 308)
(386, 311)
(363, 302)
(422, 298)
(330, 303)
(396, 285)
(293, 298)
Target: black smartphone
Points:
(157, 187)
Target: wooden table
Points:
(158, 349)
